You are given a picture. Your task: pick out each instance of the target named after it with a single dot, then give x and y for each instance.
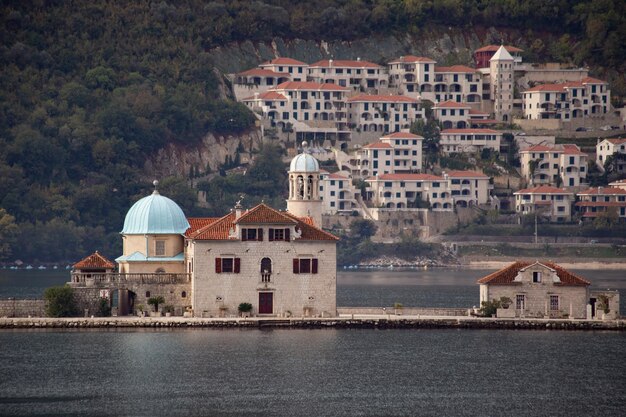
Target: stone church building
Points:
(281, 262)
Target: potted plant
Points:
(505, 302)
(168, 310)
(188, 312)
(155, 301)
(244, 309)
(140, 311)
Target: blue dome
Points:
(155, 214)
(304, 162)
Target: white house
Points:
(413, 76)
(564, 163)
(337, 193)
(469, 140)
(297, 70)
(601, 201)
(355, 74)
(545, 201)
(468, 188)
(401, 191)
(399, 152)
(384, 114)
(612, 147)
(452, 114)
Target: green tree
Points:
(362, 229)
(155, 301)
(60, 302)
(8, 234)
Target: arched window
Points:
(183, 294)
(266, 270)
(147, 294)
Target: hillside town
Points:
(366, 120)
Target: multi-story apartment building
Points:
(452, 115)
(401, 191)
(601, 200)
(385, 114)
(399, 152)
(545, 201)
(565, 164)
(257, 80)
(469, 140)
(337, 192)
(297, 70)
(307, 106)
(457, 83)
(413, 76)
(357, 75)
(468, 188)
(612, 147)
(566, 101)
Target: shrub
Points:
(245, 307)
(489, 308)
(60, 302)
(104, 307)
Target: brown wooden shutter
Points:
(287, 239)
(271, 237)
(237, 267)
(259, 235)
(314, 266)
(296, 266)
(218, 265)
(244, 234)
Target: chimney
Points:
(238, 210)
(330, 62)
(358, 58)
(600, 189)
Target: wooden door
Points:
(266, 303)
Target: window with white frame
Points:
(520, 302)
(554, 302)
(536, 276)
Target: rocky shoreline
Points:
(362, 322)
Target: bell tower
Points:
(501, 71)
(304, 187)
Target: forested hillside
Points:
(88, 90)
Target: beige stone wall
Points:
(220, 294)
(152, 267)
(572, 299)
(22, 308)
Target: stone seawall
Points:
(22, 308)
(404, 311)
(318, 323)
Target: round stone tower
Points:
(304, 187)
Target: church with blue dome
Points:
(280, 262)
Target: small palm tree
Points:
(155, 301)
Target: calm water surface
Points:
(328, 372)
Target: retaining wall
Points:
(404, 311)
(22, 308)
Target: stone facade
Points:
(22, 308)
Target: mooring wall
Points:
(22, 308)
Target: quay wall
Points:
(404, 311)
(22, 308)
(316, 323)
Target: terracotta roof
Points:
(484, 121)
(325, 63)
(337, 176)
(494, 48)
(305, 85)
(466, 174)
(539, 148)
(406, 177)
(412, 59)
(453, 131)
(268, 95)
(263, 214)
(566, 148)
(546, 87)
(263, 73)
(402, 135)
(377, 98)
(591, 80)
(571, 149)
(378, 145)
(94, 261)
(197, 223)
(450, 105)
(617, 141)
(478, 112)
(543, 189)
(456, 68)
(602, 191)
(506, 276)
(284, 61)
(601, 204)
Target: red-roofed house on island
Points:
(281, 262)
(545, 290)
(555, 165)
(545, 201)
(469, 140)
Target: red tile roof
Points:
(453, 131)
(494, 48)
(544, 189)
(566, 148)
(261, 214)
(305, 85)
(591, 80)
(284, 61)
(546, 87)
(402, 135)
(603, 191)
(412, 59)
(601, 204)
(538, 148)
(378, 145)
(263, 73)
(617, 141)
(506, 276)
(197, 223)
(337, 176)
(345, 63)
(94, 261)
(484, 121)
(570, 149)
(466, 174)
(268, 95)
(477, 112)
(450, 105)
(379, 98)
(406, 177)
(456, 68)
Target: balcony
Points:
(79, 279)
